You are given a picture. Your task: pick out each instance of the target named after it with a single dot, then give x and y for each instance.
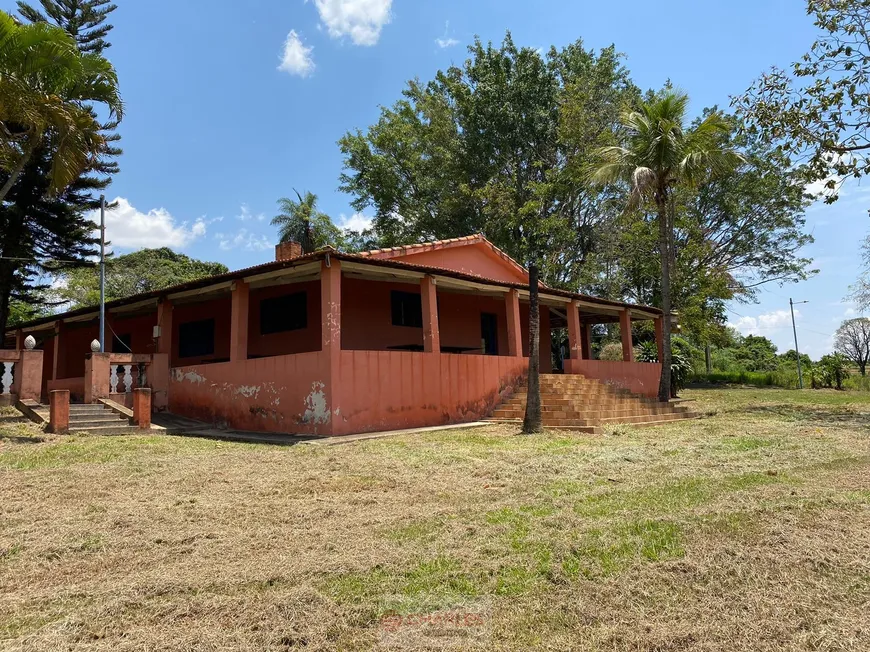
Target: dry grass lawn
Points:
(746, 530)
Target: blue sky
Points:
(231, 105)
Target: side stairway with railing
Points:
(574, 402)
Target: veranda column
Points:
(575, 341)
(19, 339)
(586, 340)
(625, 331)
(239, 322)
(429, 297)
(330, 308)
(660, 337)
(164, 321)
(515, 336)
(56, 361)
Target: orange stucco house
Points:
(330, 343)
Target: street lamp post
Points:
(797, 351)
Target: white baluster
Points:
(128, 378)
(113, 379)
(6, 378)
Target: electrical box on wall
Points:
(156, 332)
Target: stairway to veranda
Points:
(574, 402)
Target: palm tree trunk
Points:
(532, 420)
(15, 173)
(665, 255)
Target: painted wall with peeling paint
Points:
(276, 394)
(386, 390)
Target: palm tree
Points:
(47, 88)
(300, 221)
(658, 154)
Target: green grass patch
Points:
(419, 530)
(682, 494)
(432, 583)
(73, 450)
(610, 550)
(746, 444)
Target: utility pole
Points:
(791, 305)
(102, 273)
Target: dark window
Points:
(196, 338)
(287, 313)
(407, 309)
(122, 343)
(489, 333)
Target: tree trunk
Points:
(7, 271)
(532, 420)
(15, 173)
(708, 358)
(665, 255)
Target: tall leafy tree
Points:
(300, 221)
(732, 234)
(818, 109)
(497, 145)
(852, 340)
(46, 82)
(145, 270)
(658, 155)
(84, 20)
(43, 231)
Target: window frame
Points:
(184, 352)
(400, 314)
(301, 315)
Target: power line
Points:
(49, 260)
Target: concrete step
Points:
(81, 424)
(579, 403)
(108, 430)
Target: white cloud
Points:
(765, 322)
(243, 239)
(245, 215)
(296, 58)
(446, 41)
(129, 228)
(356, 222)
(361, 20)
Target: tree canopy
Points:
(43, 231)
(145, 270)
(818, 110)
(301, 221)
(852, 340)
(497, 146)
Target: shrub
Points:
(646, 352)
(831, 371)
(786, 379)
(611, 351)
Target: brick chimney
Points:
(287, 250)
